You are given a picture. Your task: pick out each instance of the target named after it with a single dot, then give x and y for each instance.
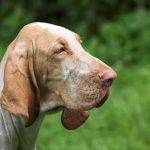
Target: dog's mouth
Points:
(74, 118)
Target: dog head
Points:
(47, 68)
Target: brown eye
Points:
(60, 50)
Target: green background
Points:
(118, 33)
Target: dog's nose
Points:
(107, 77)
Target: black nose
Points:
(107, 77)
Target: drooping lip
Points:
(102, 101)
(74, 118)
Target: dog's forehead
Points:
(55, 29)
(71, 37)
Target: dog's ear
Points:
(20, 91)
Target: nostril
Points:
(110, 80)
(107, 77)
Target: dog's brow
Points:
(65, 44)
(78, 38)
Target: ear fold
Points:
(20, 92)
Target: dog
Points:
(44, 70)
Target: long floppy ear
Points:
(20, 92)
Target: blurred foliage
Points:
(114, 30)
(125, 41)
(85, 14)
(117, 32)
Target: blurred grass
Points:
(1, 51)
(121, 124)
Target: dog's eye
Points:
(60, 50)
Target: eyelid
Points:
(60, 50)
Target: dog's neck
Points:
(27, 136)
(14, 132)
